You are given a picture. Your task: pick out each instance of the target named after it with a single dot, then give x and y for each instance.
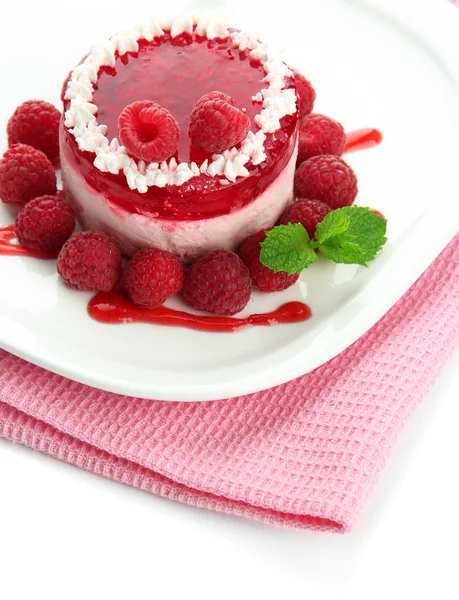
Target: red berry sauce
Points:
(361, 139)
(176, 73)
(115, 307)
(7, 234)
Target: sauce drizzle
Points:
(362, 139)
(116, 307)
(7, 247)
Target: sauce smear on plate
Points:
(361, 139)
(115, 307)
(7, 234)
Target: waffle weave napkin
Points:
(303, 454)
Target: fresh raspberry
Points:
(215, 96)
(307, 212)
(262, 277)
(327, 178)
(90, 261)
(36, 123)
(148, 131)
(305, 93)
(320, 135)
(25, 173)
(218, 283)
(152, 276)
(45, 224)
(216, 124)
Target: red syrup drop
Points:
(361, 139)
(115, 307)
(7, 247)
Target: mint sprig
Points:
(337, 222)
(357, 243)
(286, 248)
(350, 235)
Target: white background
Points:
(68, 534)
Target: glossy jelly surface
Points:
(176, 73)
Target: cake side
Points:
(187, 240)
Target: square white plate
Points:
(389, 65)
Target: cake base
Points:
(188, 240)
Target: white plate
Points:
(395, 70)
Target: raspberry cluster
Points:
(219, 282)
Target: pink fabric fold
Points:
(303, 454)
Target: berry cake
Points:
(181, 135)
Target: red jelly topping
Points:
(361, 139)
(176, 73)
(176, 77)
(115, 307)
(7, 234)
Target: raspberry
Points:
(307, 212)
(327, 178)
(36, 123)
(45, 224)
(25, 173)
(262, 277)
(215, 96)
(305, 93)
(148, 131)
(218, 283)
(216, 124)
(320, 135)
(153, 275)
(90, 261)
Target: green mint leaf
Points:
(334, 223)
(344, 251)
(359, 242)
(286, 248)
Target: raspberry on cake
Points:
(216, 124)
(229, 172)
(148, 131)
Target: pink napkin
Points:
(304, 454)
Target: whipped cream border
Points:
(111, 157)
